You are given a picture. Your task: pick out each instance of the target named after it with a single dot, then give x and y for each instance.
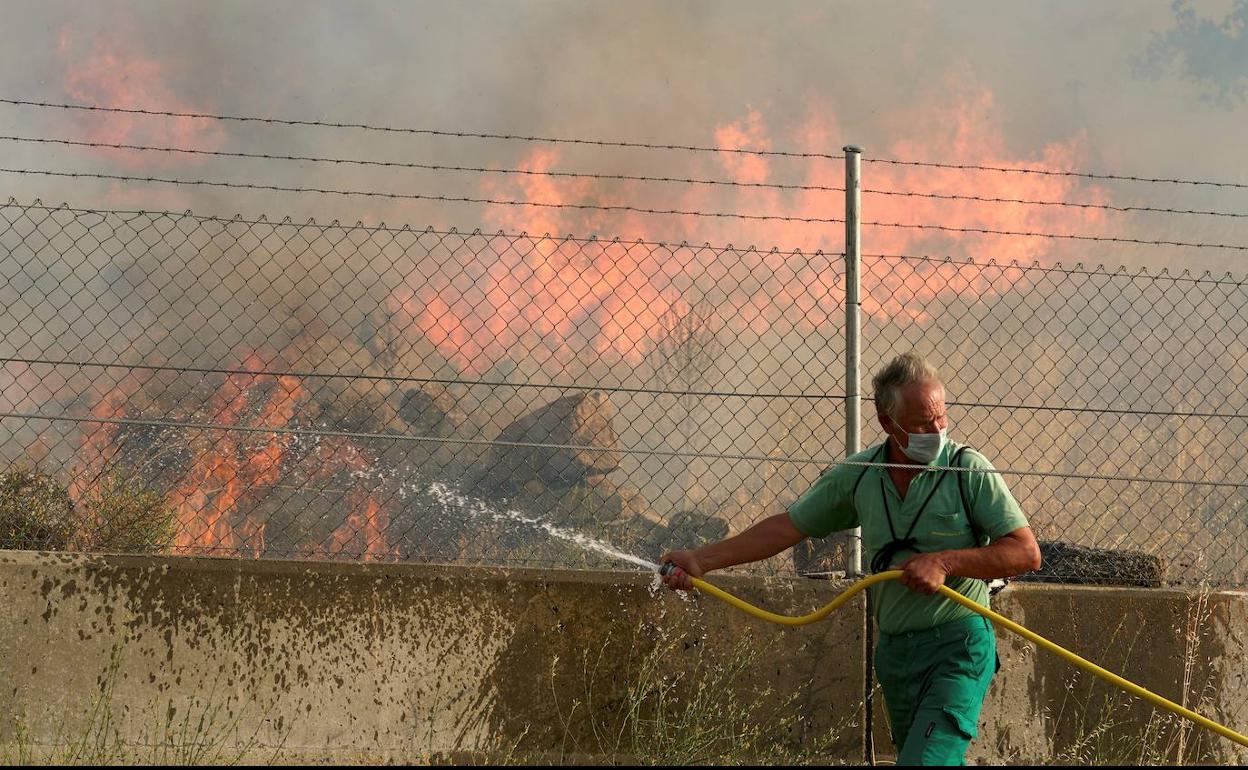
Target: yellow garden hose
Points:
(1000, 620)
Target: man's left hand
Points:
(924, 572)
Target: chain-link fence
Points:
(1116, 397)
(195, 385)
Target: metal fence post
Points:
(853, 441)
(853, 346)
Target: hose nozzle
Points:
(666, 569)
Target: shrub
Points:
(36, 511)
(122, 516)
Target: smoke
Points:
(106, 71)
(1212, 55)
(599, 299)
(920, 85)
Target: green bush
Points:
(121, 516)
(36, 511)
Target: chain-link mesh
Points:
(1090, 373)
(204, 386)
(195, 385)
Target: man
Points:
(935, 658)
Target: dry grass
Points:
(204, 734)
(699, 715)
(1103, 736)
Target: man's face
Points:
(921, 409)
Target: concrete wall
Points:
(230, 659)
(1185, 646)
(293, 660)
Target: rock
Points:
(584, 419)
(819, 557)
(1076, 564)
(357, 406)
(691, 529)
(429, 414)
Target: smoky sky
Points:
(1112, 87)
(1211, 53)
(1127, 84)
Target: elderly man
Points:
(935, 658)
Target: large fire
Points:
(229, 465)
(364, 533)
(595, 299)
(99, 446)
(215, 494)
(99, 71)
(557, 301)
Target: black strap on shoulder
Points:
(879, 457)
(976, 532)
(966, 504)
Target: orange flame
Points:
(231, 466)
(111, 74)
(363, 535)
(99, 446)
(560, 301)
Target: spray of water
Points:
(451, 497)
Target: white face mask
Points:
(924, 447)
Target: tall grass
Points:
(1103, 733)
(204, 734)
(693, 715)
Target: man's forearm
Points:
(766, 538)
(1005, 557)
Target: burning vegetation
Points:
(269, 460)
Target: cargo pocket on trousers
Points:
(966, 726)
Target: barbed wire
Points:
(382, 227)
(428, 166)
(592, 448)
(622, 144)
(622, 177)
(419, 196)
(404, 378)
(1054, 172)
(420, 131)
(1066, 204)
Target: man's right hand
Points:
(686, 567)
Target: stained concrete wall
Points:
(1187, 646)
(313, 661)
(352, 662)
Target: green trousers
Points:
(934, 686)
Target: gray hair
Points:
(906, 369)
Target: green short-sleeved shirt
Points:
(832, 505)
